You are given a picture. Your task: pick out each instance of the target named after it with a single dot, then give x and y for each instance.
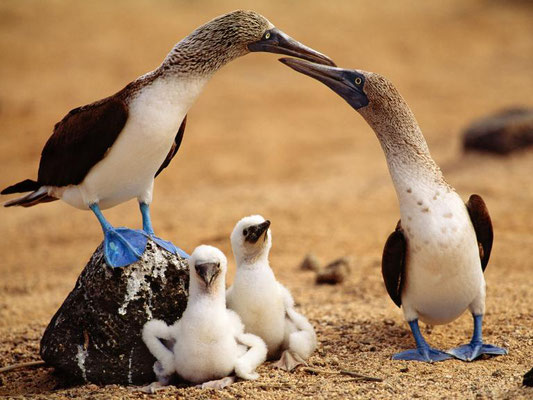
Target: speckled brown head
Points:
(230, 36)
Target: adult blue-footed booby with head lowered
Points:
(433, 262)
(110, 151)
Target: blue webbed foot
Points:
(422, 354)
(476, 347)
(149, 230)
(470, 352)
(169, 246)
(123, 246)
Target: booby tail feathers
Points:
(38, 196)
(26, 185)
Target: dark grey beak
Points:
(275, 41)
(346, 83)
(254, 232)
(208, 272)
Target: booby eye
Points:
(245, 232)
(358, 81)
(267, 35)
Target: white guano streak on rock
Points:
(80, 357)
(129, 367)
(137, 283)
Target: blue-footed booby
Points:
(208, 341)
(433, 262)
(110, 151)
(265, 306)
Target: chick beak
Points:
(256, 231)
(208, 272)
(281, 43)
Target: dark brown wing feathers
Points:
(393, 264)
(175, 147)
(80, 140)
(479, 215)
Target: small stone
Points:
(310, 263)
(500, 133)
(335, 272)
(404, 369)
(95, 336)
(389, 322)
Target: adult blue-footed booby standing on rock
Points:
(433, 262)
(110, 151)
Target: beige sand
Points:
(263, 139)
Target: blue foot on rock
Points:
(123, 246)
(469, 352)
(169, 246)
(149, 230)
(422, 354)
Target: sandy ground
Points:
(263, 139)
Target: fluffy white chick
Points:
(209, 342)
(265, 306)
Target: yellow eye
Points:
(267, 35)
(358, 81)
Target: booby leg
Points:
(476, 347)
(422, 352)
(122, 246)
(147, 227)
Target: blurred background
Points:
(264, 139)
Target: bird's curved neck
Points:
(199, 54)
(401, 139)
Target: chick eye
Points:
(358, 81)
(267, 35)
(245, 232)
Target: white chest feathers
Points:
(443, 268)
(257, 298)
(128, 169)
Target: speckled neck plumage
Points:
(199, 55)
(214, 44)
(400, 136)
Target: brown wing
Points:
(393, 264)
(175, 147)
(479, 215)
(80, 140)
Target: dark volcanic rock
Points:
(500, 133)
(528, 378)
(95, 336)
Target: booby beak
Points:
(256, 231)
(346, 83)
(208, 272)
(276, 41)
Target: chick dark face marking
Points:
(254, 232)
(208, 272)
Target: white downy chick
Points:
(209, 340)
(265, 306)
